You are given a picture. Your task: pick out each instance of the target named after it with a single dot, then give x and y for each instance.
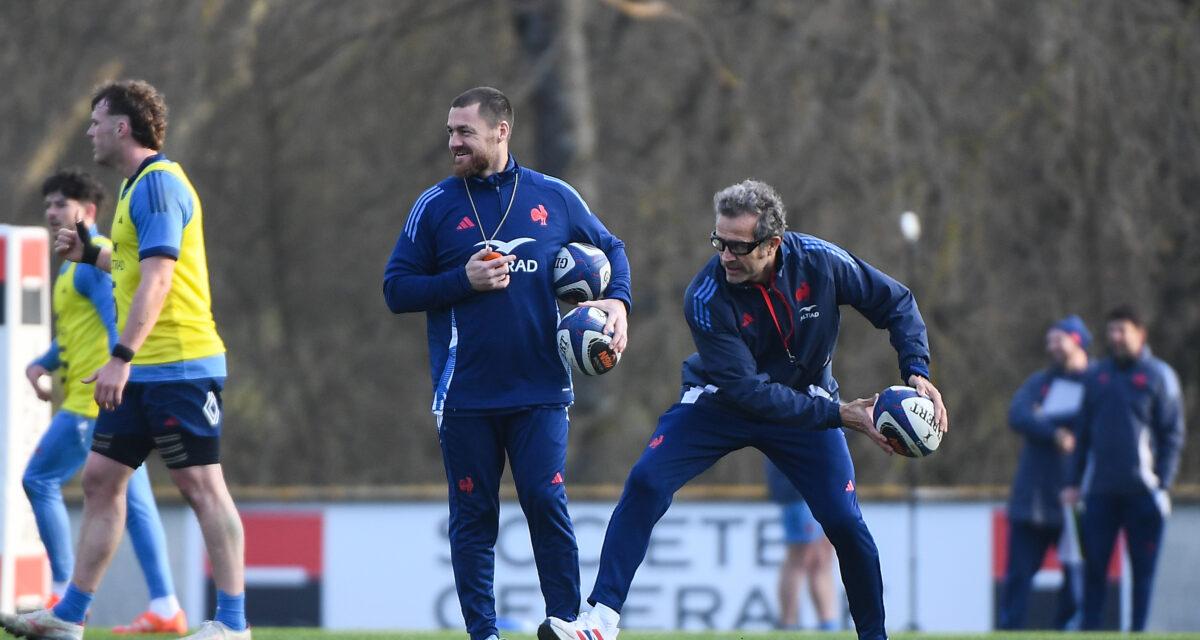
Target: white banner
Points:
(709, 566)
(384, 565)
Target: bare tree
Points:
(1052, 149)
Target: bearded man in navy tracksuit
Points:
(1130, 436)
(764, 314)
(476, 255)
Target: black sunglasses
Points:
(736, 247)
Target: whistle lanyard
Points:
(778, 329)
(487, 242)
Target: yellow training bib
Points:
(82, 338)
(185, 329)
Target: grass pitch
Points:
(318, 634)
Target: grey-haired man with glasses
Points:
(764, 315)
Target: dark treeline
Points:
(1052, 150)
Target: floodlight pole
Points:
(910, 229)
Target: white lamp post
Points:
(910, 229)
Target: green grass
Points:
(317, 634)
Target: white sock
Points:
(165, 607)
(606, 615)
(59, 588)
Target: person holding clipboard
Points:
(1044, 411)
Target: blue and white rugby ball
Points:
(581, 272)
(905, 418)
(582, 343)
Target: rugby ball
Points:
(582, 343)
(905, 418)
(581, 272)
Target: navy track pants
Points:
(1027, 546)
(691, 438)
(1103, 515)
(473, 451)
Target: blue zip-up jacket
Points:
(1042, 468)
(1130, 429)
(495, 350)
(740, 359)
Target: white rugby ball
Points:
(581, 272)
(905, 418)
(582, 343)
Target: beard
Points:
(477, 162)
(1123, 358)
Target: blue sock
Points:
(74, 605)
(231, 610)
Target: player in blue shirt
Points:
(1044, 411)
(476, 256)
(764, 314)
(1131, 432)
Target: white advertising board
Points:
(384, 565)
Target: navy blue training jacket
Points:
(1042, 468)
(741, 361)
(495, 350)
(1130, 429)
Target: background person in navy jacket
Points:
(500, 387)
(764, 314)
(1044, 411)
(1130, 436)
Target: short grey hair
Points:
(751, 197)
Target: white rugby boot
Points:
(41, 625)
(592, 626)
(556, 629)
(213, 630)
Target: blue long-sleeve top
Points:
(96, 286)
(1042, 468)
(740, 358)
(495, 350)
(1131, 428)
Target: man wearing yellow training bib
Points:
(161, 387)
(85, 327)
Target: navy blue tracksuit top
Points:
(1131, 427)
(495, 350)
(741, 358)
